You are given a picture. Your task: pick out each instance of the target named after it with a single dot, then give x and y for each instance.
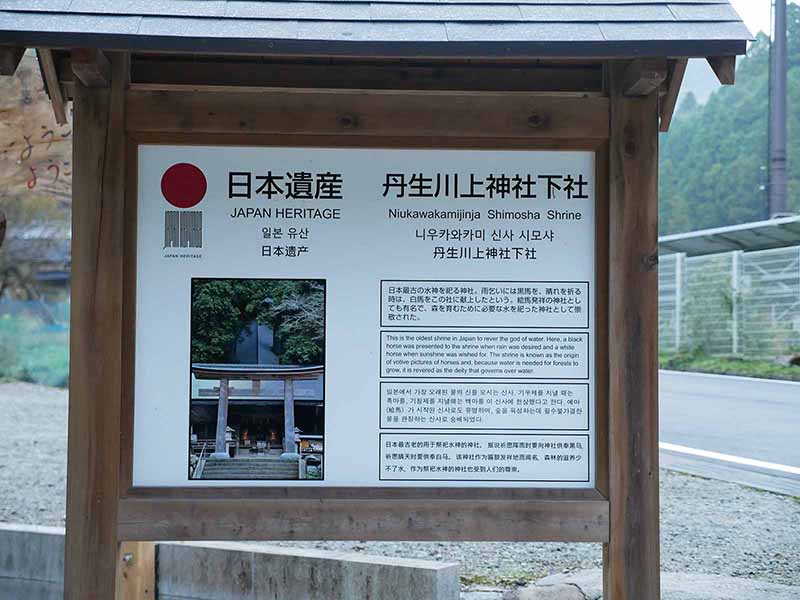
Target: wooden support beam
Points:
(91, 67)
(632, 555)
(643, 76)
(340, 113)
(10, 56)
(724, 68)
(93, 458)
(52, 85)
(136, 577)
(670, 99)
(175, 73)
(398, 519)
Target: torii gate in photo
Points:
(226, 373)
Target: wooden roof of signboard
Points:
(432, 28)
(528, 45)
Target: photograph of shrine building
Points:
(257, 406)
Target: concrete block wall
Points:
(32, 566)
(234, 571)
(31, 562)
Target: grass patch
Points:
(728, 365)
(504, 581)
(34, 352)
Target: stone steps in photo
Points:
(250, 468)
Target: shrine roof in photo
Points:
(432, 28)
(258, 371)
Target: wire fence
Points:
(34, 341)
(739, 303)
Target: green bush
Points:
(32, 351)
(727, 365)
(9, 356)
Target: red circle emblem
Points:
(183, 185)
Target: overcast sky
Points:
(756, 14)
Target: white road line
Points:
(750, 462)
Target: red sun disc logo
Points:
(183, 185)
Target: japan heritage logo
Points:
(184, 186)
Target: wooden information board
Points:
(364, 270)
(425, 317)
(364, 390)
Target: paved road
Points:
(748, 421)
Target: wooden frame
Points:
(103, 506)
(631, 559)
(354, 513)
(361, 512)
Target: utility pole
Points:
(777, 114)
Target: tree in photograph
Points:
(294, 309)
(299, 316)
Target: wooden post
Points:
(52, 85)
(288, 417)
(220, 447)
(96, 339)
(10, 57)
(136, 577)
(631, 558)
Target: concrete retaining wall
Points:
(32, 565)
(31, 562)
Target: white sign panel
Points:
(364, 317)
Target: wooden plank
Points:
(136, 575)
(359, 114)
(670, 99)
(91, 67)
(174, 73)
(291, 494)
(601, 319)
(10, 57)
(724, 68)
(128, 316)
(95, 342)
(644, 75)
(335, 141)
(52, 85)
(632, 566)
(359, 519)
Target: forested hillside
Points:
(714, 158)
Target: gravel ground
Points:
(707, 526)
(33, 444)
